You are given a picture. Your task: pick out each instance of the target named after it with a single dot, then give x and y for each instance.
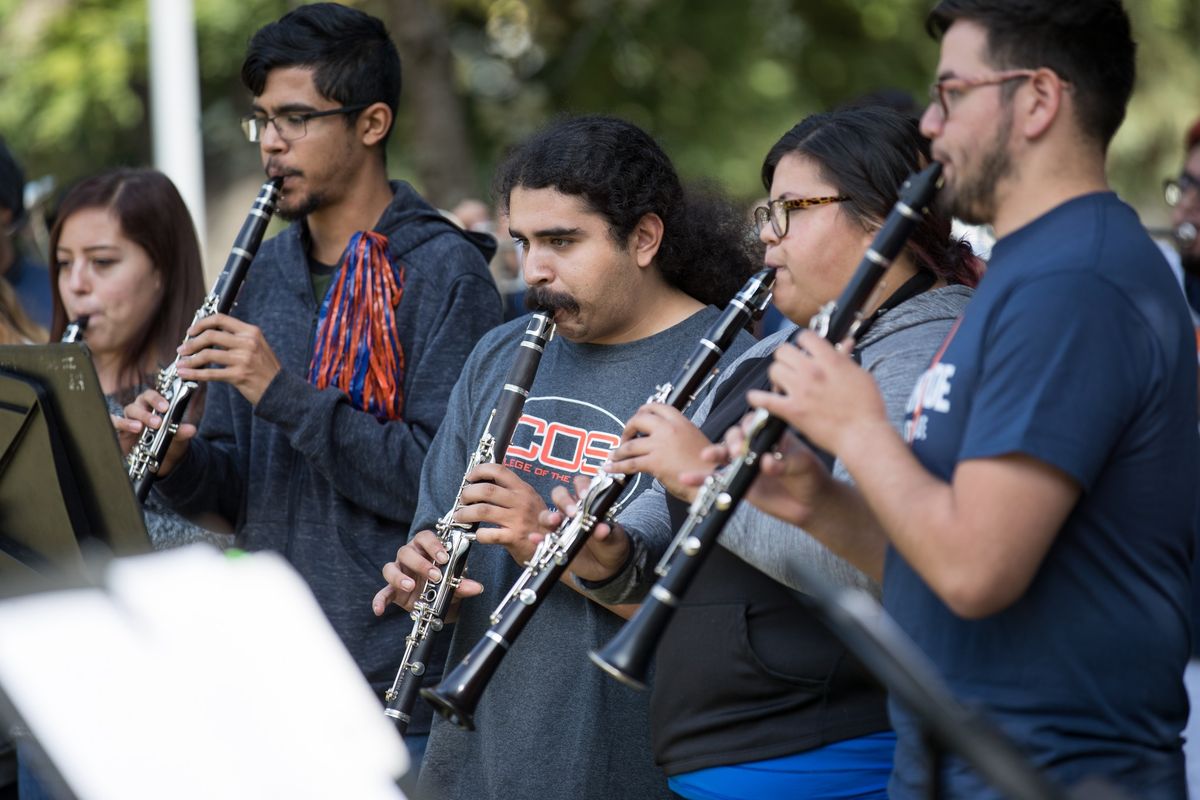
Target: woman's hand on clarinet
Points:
(417, 563)
(822, 393)
(661, 441)
(790, 481)
(496, 497)
(605, 550)
(128, 432)
(147, 410)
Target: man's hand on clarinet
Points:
(421, 560)
(222, 348)
(507, 505)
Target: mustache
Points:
(539, 297)
(274, 171)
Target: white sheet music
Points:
(193, 675)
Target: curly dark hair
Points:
(354, 60)
(622, 174)
(866, 153)
(1086, 42)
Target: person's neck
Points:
(897, 275)
(108, 370)
(1042, 184)
(331, 227)
(659, 307)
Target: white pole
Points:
(175, 103)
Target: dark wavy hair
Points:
(622, 174)
(353, 59)
(154, 216)
(866, 153)
(1086, 42)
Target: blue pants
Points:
(856, 768)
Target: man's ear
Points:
(1044, 103)
(647, 238)
(374, 122)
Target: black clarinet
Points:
(74, 332)
(147, 455)
(429, 612)
(627, 657)
(457, 696)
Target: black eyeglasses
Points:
(778, 211)
(292, 125)
(1175, 188)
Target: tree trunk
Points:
(438, 142)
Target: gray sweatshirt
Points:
(896, 350)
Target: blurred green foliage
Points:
(716, 81)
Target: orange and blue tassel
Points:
(357, 349)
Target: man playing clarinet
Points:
(630, 265)
(312, 439)
(1034, 533)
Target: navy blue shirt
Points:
(31, 282)
(1077, 350)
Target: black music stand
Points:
(65, 495)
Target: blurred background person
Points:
(1183, 196)
(125, 255)
(15, 325)
(28, 278)
(475, 215)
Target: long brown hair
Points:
(153, 215)
(15, 325)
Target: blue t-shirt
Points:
(1077, 350)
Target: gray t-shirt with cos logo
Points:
(549, 724)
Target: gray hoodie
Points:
(896, 350)
(307, 474)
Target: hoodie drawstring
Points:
(357, 349)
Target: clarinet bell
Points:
(457, 696)
(627, 656)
